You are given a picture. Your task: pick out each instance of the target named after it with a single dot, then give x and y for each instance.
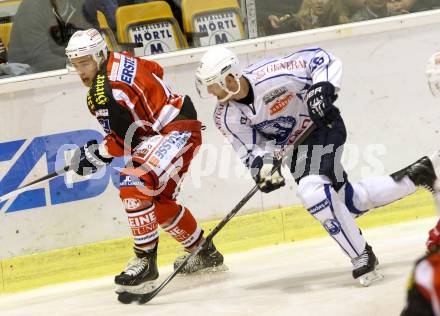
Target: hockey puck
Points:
(126, 298)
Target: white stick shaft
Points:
(33, 184)
(14, 193)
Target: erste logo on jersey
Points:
(127, 69)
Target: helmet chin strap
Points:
(99, 58)
(230, 93)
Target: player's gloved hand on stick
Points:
(433, 242)
(261, 170)
(87, 159)
(319, 99)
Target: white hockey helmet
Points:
(433, 74)
(215, 65)
(88, 42)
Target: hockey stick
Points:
(127, 297)
(27, 186)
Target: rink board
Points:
(385, 133)
(242, 233)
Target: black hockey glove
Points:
(87, 159)
(261, 170)
(319, 99)
(62, 32)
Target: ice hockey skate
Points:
(139, 275)
(207, 260)
(421, 172)
(364, 267)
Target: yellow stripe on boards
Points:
(240, 234)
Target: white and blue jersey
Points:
(278, 114)
(277, 117)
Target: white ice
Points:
(301, 278)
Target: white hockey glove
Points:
(261, 171)
(319, 99)
(433, 74)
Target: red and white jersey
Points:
(423, 296)
(128, 96)
(427, 278)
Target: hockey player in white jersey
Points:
(263, 108)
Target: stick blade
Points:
(145, 298)
(128, 298)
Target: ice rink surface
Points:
(310, 277)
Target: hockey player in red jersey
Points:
(433, 76)
(160, 133)
(424, 288)
(423, 294)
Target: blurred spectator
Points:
(278, 17)
(10, 69)
(3, 54)
(286, 24)
(352, 6)
(108, 8)
(396, 6)
(40, 32)
(176, 7)
(374, 9)
(320, 13)
(420, 5)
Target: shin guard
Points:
(178, 222)
(143, 223)
(323, 203)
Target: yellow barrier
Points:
(153, 23)
(5, 32)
